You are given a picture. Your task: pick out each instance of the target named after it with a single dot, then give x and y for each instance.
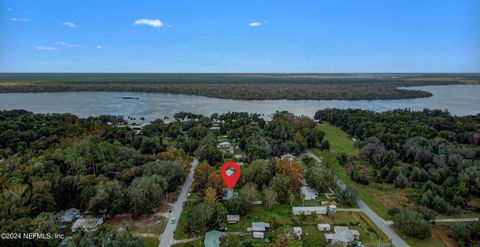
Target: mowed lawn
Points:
(340, 142)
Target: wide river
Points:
(457, 99)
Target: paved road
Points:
(166, 239)
(457, 220)
(381, 223)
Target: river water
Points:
(457, 99)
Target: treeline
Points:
(240, 91)
(243, 78)
(434, 154)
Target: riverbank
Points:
(242, 86)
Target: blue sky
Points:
(240, 36)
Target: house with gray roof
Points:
(342, 236)
(70, 215)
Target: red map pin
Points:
(230, 173)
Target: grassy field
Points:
(147, 227)
(340, 142)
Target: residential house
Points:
(260, 227)
(309, 210)
(309, 193)
(70, 215)
(224, 145)
(87, 224)
(229, 195)
(342, 236)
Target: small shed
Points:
(323, 227)
(233, 218)
(258, 235)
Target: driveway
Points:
(381, 223)
(166, 239)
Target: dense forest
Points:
(50, 163)
(240, 86)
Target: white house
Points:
(87, 224)
(298, 231)
(323, 227)
(224, 145)
(260, 227)
(258, 235)
(309, 210)
(342, 236)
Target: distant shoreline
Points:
(242, 86)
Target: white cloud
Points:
(149, 22)
(69, 24)
(69, 45)
(45, 48)
(255, 24)
(19, 19)
(99, 46)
